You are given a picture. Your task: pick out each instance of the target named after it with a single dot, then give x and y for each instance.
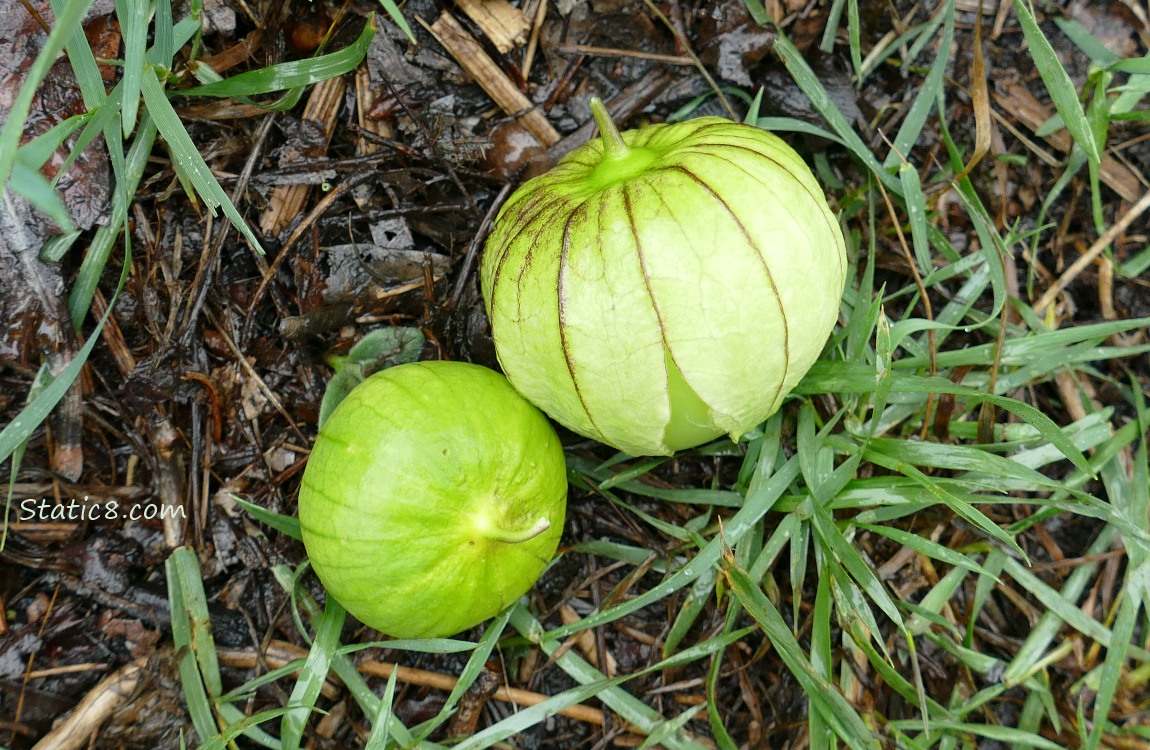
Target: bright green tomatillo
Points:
(662, 287)
(434, 497)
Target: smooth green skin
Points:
(656, 296)
(417, 488)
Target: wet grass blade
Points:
(924, 102)
(67, 22)
(474, 667)
(290, 75)
(284, 524)
(380, 725)
(186, 159)
(312, 675)
(133, 18)
(594, 684)
(817, 93)
(757, 505)
(1058, 83)
(824, 697)
(187, 607)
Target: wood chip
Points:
(504, 24)
(471, 57)
(585, 642)
(519, 697)
(366, 97)
(288, 201)
(75, 732)
(1019, 102)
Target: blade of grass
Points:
(594, 684)
(31, 416)
(186, 158)
(133, 18)
(191, 678)
(471, 671)
(924, 101)
(854, 41)
(43, 377)
(292, 74)
(313, 674)
(67, 21)
(824, 697)
(380, 730)
(288, 525)
(1058, 83)
(821, 101)
(757, 505)
(100, 249)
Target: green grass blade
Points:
(187, 567)
(43, 377)
(284, 524)
(824, 697)
(926, 547)
(1113, 667)
(67, 21)
(1092, 46)
(916, 211)
(244, 726)
(31, 416)
(380, 725)
(166, 36)
(854, 40)
(475, 665)
(290, 75)
(834, 17)
(924, 101)
(836, 546)
(757, 505)
(594, 684)
(1064, 608)
(133, 18)
(178, 565)
(1058, 83)
(821, 101)
(29, 184)
(186, 158)
(313, 675)
(396, 15)
(91, 268)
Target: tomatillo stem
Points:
(613, 145)
(515, 536)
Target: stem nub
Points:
(613, 145)
(515, 536)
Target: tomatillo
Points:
(434, 498)
(661, 287)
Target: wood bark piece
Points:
(75, 732)
(275, 655)
(519, 697)
(504, 24)
(366, 97)
(471, 57)
(1030, 112)
(288, 201)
